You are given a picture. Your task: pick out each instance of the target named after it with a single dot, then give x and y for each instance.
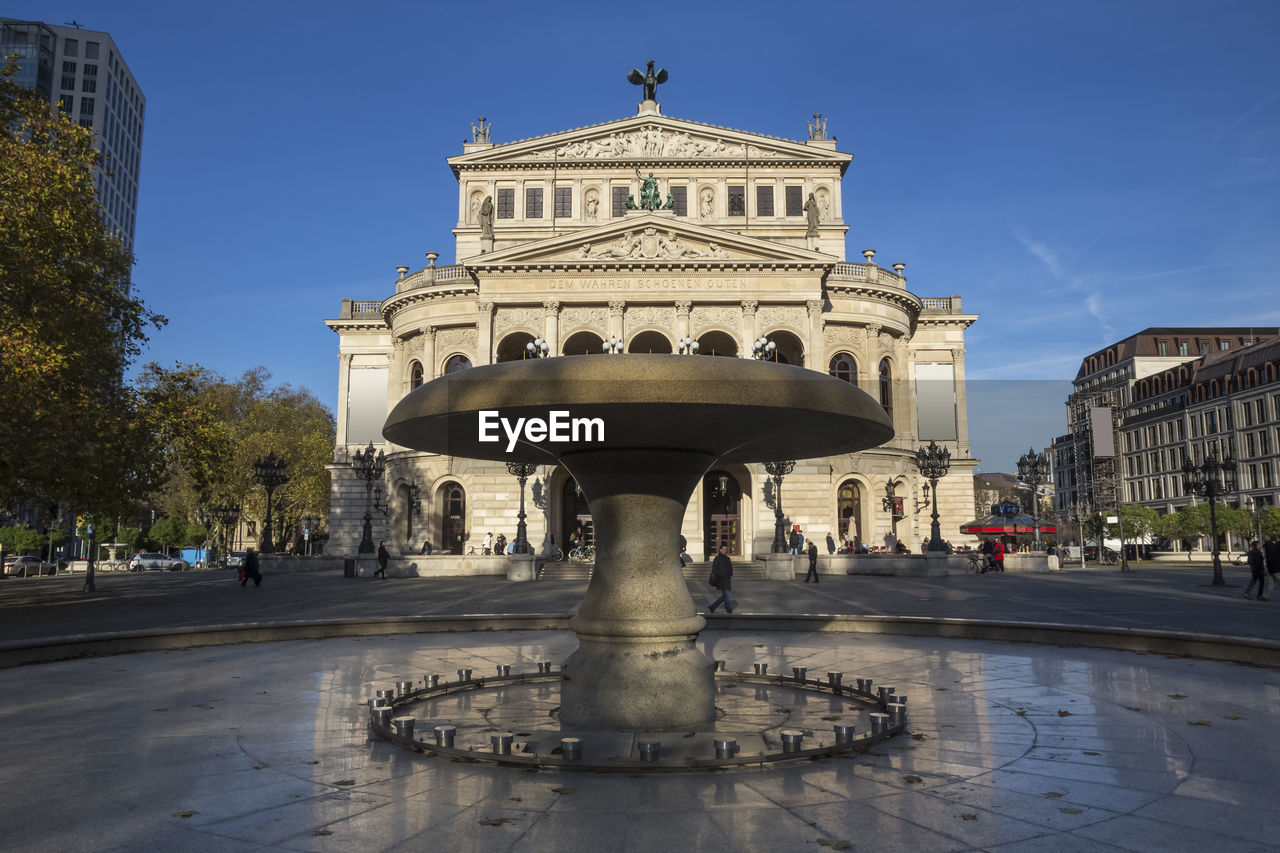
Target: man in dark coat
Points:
(813, 563)
(831, 544)
(1257, 572)
(1271, 555)
(383, 557)
(722, 579)
(251, 570)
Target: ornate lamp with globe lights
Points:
(778, 470)
(934, 462)
(522, 471)
(1033, 469)
(1212, 479)
(369, 467)
(270, 472)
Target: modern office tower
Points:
(83, 72)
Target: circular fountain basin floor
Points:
(1011, 747)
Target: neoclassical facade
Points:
(552, 243)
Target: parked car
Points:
(145, 560)
(234, 560)
(26, 566)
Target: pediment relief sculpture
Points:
(652, 142)
(649, 244)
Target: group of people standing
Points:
(1263, 561)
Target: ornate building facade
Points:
(747, 241)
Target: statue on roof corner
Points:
(817, 127)
(649, 80)
(481, 133)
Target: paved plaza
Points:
(1012, 746)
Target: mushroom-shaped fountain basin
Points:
(638, 432)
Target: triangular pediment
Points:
(648, 238)
(649, 139)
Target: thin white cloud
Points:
(1044, 254)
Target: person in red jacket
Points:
(998, 555)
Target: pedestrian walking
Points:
(487, 546)
(383, 557)
(1257, 572)
(1271, 556)
(795, 540)
(997, 556)
(251, 570)
(722, 579)
(813, 562)
(831, 543)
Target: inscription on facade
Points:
(624, 284)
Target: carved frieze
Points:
(772, 316)
(649, 244)
(582, 317)
(844, 337)
(512, 318)
(651, 316)
(651, 142)
(704, 317)
(456, 338)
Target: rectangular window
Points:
(764, 201)
(88, 84)
(795, 201)
(533, 203)
(68, 67)
(1224, 345)
(737, 201)
(1182, 348)
(1266, 475)
(90, 70)
(1204, 348)
(1260, 405)
(1264, 443)
(91, 50)
(620, 200)
(680, 197)
(1162, 347)
(506, 203)
(86, 106)
(1210, 422)
(71, 47)
(1248, 416)
(564, 202)
(69, 83)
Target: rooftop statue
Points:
(649, 80)
(480, 133)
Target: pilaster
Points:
(683, 307)
(484, 333)
(815, 354)
(551, 324)
(344, 391)
(617, 308)
(749, 308)
(429, 367)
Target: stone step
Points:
(742, 569)
(565, 570)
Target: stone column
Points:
(399, 384)
(962, 407)
(683, 307)
(869, 364)
(484, 333)
(749, 307)
(815, 354)
(551, 324)
(617, 307)
(344, 391)
(429, 367)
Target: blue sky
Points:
(1076, 171)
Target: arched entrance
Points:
(717, 343)
(721, 507)
(575, 517)
(655, 342)
(789, 349)
(453, 519)
(512, 347)
(849, 510)
(583, 343)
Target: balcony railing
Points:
(431, 276)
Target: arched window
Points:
(842, 366)
(453, 518)
(415, 375)
(886, 386)
(456, 363)
(849, 510)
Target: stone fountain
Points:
(666, 420)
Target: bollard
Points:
(844, 732)
(501, 743)
(864, 685)
(382, 717)
(430, 682)
(721, 665)
(571, 747)
(404, 726)
(378, 702)
(885, 693)
(900, 699)
(404, 688)
(389, 695)
(544, 666)
(834, 679)
(649, 750)
(726, 747)
(444, 735)
(792, 740)
(897, 713)
(464, 675)
(504, 669)
(879, 723)
(762, 668)
(799, 672)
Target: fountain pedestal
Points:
(666, 420)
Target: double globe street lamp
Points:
(270, 472)
(1211, 480)
(778, 470)
(934, 462)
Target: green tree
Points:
(21, 539)
(1138, 521)
(169, 532)
(69, 427)
(1271, 522)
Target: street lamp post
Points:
(1033, 469)
(522, 471)
(269, 471)
(890, 503)
(778, 470)
(934, 462)
(227, 515)
(309, 523)
(1211, 480)
(368, 467)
